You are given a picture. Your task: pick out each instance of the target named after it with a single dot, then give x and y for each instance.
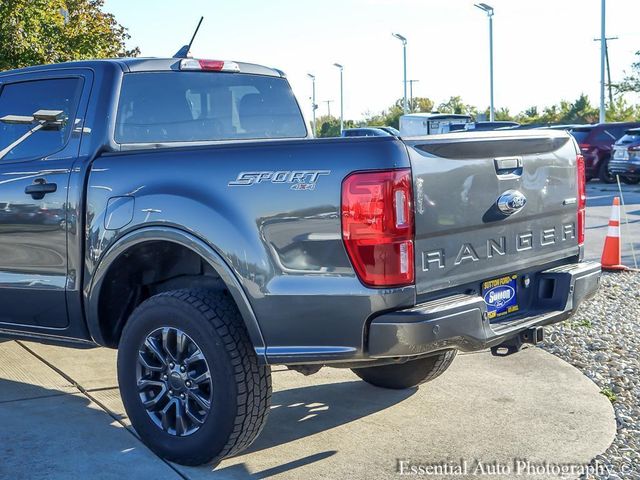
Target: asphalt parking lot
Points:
(599, 199)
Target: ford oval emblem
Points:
(511, 201)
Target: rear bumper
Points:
(627, 168)
(461, 322)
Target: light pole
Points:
(405, 106)
(314, 107)
(489, 11)
(603, 50)
(341, 68)
(411, 82)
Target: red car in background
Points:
(596, 143)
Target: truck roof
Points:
(148, 64)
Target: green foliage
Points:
(421, 104)
(456, 105)
(621, 111)
(631, 82)
(35, 32)
(391, 116)
(330, 126)
(585, 322)
(565, 112)
(607, 392)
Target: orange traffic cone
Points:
(612, 252)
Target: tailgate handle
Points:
(507, 163)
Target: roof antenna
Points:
(184, 51)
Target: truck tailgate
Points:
(461, 235)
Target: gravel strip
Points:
(603, 341)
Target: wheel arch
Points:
(184, 239)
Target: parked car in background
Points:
(484, 126)
(565, 127)
(596, 143)
(416, 124)
(625, 160)
(370, 132)
(392, 131)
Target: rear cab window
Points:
(631, 136)
(580, 134)
(165, 107)
(25, 98)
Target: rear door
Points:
(462, 235)
(34, 215)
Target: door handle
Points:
(40, 188)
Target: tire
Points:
(603, 172)
(237, 389)
(409, 374)
(630, 180)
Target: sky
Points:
(543, 49)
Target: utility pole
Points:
(314, 106)
(341, 68)
(328, 102)
(411, 82)
(405, 106)
(606, 59)
(603, 49)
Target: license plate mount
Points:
(501, 296)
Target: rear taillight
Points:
(585, 147)
(377, 226)
(582, 198)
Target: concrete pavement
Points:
(61, 417)
(599, 200)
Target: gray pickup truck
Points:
(179, 211)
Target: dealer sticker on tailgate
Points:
(500, 295)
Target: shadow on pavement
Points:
(47, 433)
(240, 471)
(300, 412)
(297, 413)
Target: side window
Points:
(618, 132)
(25, 98)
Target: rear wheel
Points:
(630, 180)
(190, 379)
(408, 374)
(603, 172)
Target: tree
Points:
(631, 82)
(49, 31)
(503, 114)
(621, 111)
(456, 105)
(330, 126)
(421, 104)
